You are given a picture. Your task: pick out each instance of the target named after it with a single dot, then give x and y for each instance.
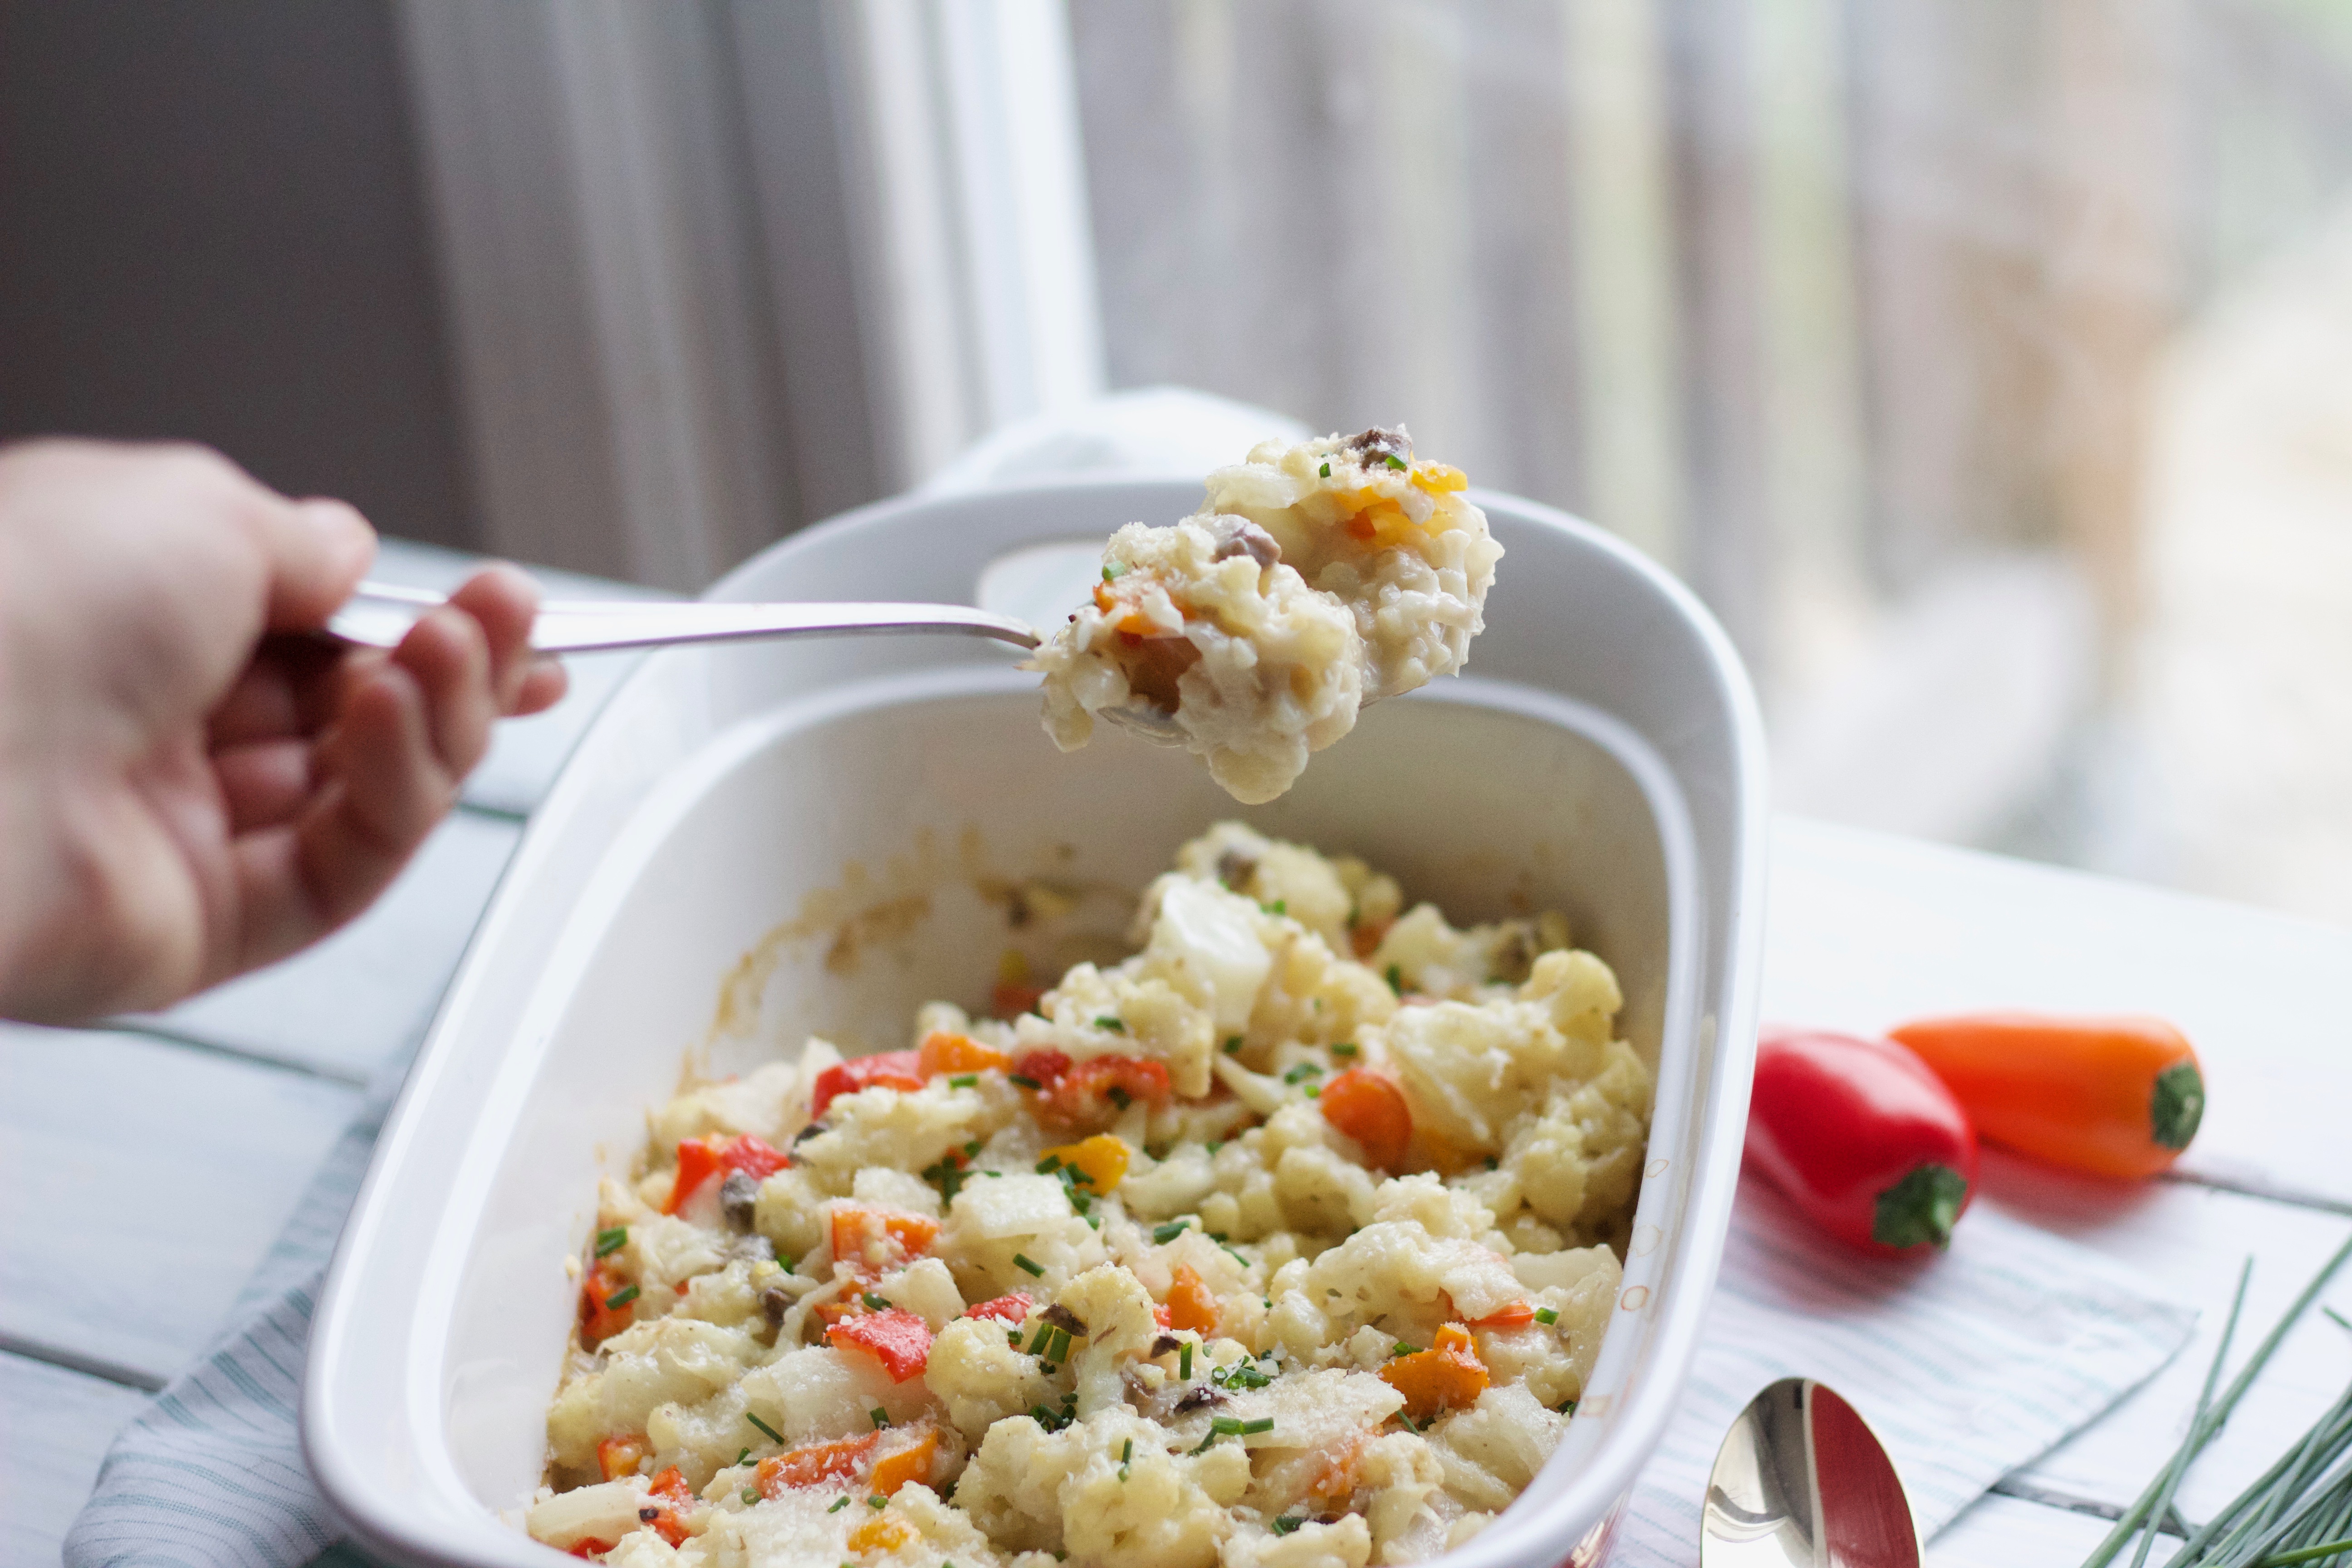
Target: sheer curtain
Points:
(1862, 316)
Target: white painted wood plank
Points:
(360, 1000)
(2002, 1532)
(2189, 1241)
(526, 753)
(1867, 930)
(140, 1183)
(55, 1428)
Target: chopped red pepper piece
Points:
(1013, 1309)
(1096, 1090)
(599, 1321)
(1044, 1068)
(700, 1159)
(891, 1070)
(592, 1546)
(817, 1464)
(873, 1242)
(1011, 1000)
(668, 1494)
(899, 1340)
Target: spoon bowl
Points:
(1801, 1481)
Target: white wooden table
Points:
(146, 1167)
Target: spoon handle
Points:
(379, 615)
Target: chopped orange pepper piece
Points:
(911, 1463)
(1366, 1104)
(673, 1494)
(600, 1318)
(872, 1242)
(815, 1464)
(1190, 1303)
(880, 1534)
(1438, 478)
(947, 1053)
(1101, 1160)
(1447, 1376)
(617, 1455)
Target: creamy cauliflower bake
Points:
(1287, 1241)
(1314, 579)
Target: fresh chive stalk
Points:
(2287, 1508)
(1021, 1262)
(609, 1242)
(769, 1432)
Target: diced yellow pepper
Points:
(1439, 478)
(1101, 1160)
(880, 1534)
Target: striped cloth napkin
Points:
(1969, 1365)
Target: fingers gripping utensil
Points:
(1801, 1481)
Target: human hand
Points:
(189, 787)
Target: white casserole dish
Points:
(754, 843)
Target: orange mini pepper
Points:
(1367, 1105)
(2114, 1096)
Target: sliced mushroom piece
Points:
(739, 1199)
(1240, 536)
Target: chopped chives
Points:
(609, 1242)
(1568, 1407)
(1395, 977)
(1116, 1026)
(1049, 1164)
(879, 1417)
(620, 1298)
(772, 1435)
(1324, 472)
(1211, 1148)
(1115, 571)
(1121, 1098)
(1395, 461)
(1184, 1360)
(1279, 906)
(1285, 1524)
(1303, 1070)
(973, 1147)
(1225, 1426)
(1233, 1047)
(838, 1504)
(1312, 1092)
(874, 1303)
(878, 1501)
(1021, 1262)
(743, 1456)
(1044, 1337)
(1546, 1315)
(964, 1080)
(1402, 1348)
(1127, 1451)
(1023, 1080)
(1344, 1048)
(751, 1494)
(1262, 1424)
(1162, 1235)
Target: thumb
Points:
(316, 551)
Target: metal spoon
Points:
(1801, 1481)
(379, 615)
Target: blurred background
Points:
(1987, 364)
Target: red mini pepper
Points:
(1863, 1136)
(896, 1337)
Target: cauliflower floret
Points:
(1492, 1450)
(665, 1361)
(605, 1512)
(1345, 1542)
(901, 1129)
(1395, 1272)
(1061, 1491)
(980, 1376)
(995, 1227)
(770, 1103)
